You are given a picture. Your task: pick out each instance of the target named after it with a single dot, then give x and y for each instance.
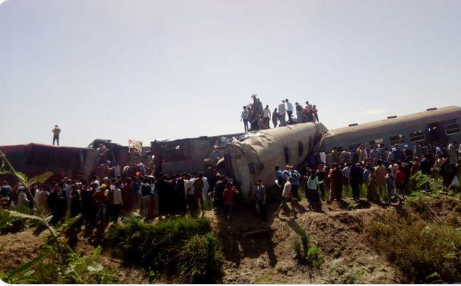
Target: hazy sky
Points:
(144, 69)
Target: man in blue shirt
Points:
(296, 181)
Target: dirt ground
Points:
(268, 257)
(264, 257)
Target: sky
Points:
(146, 69)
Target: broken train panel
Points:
(257, 156)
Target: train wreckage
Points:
(244, 157)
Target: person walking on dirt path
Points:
(287, 196)
(56, 131)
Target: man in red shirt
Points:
(229, 192)
(101, 197)
(400, 180)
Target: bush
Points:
(420, 249)
(183, 249)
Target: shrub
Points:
(183, 249)
(420, 249)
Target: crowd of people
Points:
(385, 174)
(255, 117)
(100, 201)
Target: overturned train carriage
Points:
(36, 159)
(256, 157)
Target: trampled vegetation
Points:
(182, 250)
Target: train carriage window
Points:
(300, 148)
(287, 154)
(354, 146)
(417, 136)
(397, 139)
(452, 128)
(377, 142)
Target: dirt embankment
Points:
(264, 257)
(268, 257)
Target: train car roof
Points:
(392, 124)
(45, 146)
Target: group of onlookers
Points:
(99, 201)
(383, 173)
(373, 172)
(255, 117)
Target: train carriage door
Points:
(434, 132)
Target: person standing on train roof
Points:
(275, 117)
(282, 112)
(289, 111)
(56, 131)
(299, 113)
(266, 116)
(244, 118)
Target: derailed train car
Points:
(442, 125)
(191, 155)
(256, 157)
(36, 159)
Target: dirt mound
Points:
(268, 256)
(18, 248)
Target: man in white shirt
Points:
(287, 196)
(289, 110)
(282, 112)
(266, 116)
(190, 193)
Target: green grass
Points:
(419, 248)
(183, 249)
